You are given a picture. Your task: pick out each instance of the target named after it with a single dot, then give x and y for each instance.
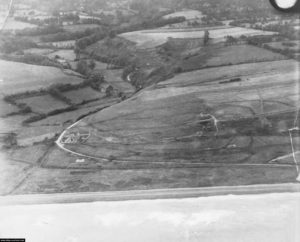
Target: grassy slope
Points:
(161, 127)
(19, 77)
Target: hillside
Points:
(234, 116)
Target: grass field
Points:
(162, 127)
(76, 180)
(6, 108)
(38, 51)
(9, 169)
(43, 104)
(188, 14)
(67, 118)
(84, 94)
(152, 38)
(28, 154)
(13, 123)
(80, 27)
(19, 77)
(212, 56)
(281, 45)
(114, 77)
(68, 55)
(13, 25)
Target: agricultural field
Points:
(19, 77)
(38, 51)
(114, 78)
(214, 122)
(68, 118)
(188, 14)
(43, 104)
(57, 180)
(290, 45)
(156, 37)
(213, 56)
(6, 108)
(13, 25)
(13, 123)
(9, 169)
(30, 154)
(68, 55)
(80, 27)
(206, 113)
(84, 94)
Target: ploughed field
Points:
(226, 116)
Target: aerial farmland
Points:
(147, 97)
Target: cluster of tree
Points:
(56, 93)
(84, 67)
(41, 116)
(262, 41)
(285, 51)
(64, 36)
(259, 40)
(10, 140)
(70, 17)
(206, 37)
(128, 70)
(23, 109)
(49, 29)
(289, 44)
(96, 35)
(92, 20)
(95, 79)
(285, 30)
(230, 40)
(10, 45)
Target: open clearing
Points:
(19, 77)
(155, 37)
(43, 104)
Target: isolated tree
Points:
(96, 78)
(206, 37)
(112, 34)
(82, 67)
(77, 51)
(92, 64)
(10, 140)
